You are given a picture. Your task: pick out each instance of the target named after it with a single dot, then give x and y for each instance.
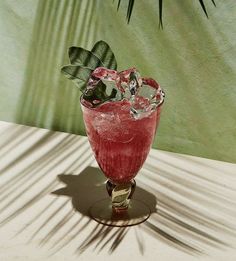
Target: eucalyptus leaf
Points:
(77, 74)
(83, 57)
(103, 51)
(100, 94)
(84, 62)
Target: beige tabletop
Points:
(49, 179)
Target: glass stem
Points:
(120, 194)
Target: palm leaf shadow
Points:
(88, 187)
(58, 25)
(84, 190)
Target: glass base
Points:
(103, 212)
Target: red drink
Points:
(121, 111)
(120, 142)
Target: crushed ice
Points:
(144, 94)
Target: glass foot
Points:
(103, 212)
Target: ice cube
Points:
(159, 94)
(147, 98)
(105, 85)
(102, 73)
(125, 75)
(102, 87)
(151, 82)
(129, 82)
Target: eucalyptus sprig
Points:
(83, 62)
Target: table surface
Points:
(49, 179)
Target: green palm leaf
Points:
(118, 5)
(131, 5)
(213, 2)
(160, 14)
(203, 7)
(130, 9)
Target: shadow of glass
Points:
(89, 186)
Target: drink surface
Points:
(120, 142)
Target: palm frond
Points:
(131, 5)
(203, 7)
(213, 2)
(160, 14)
(118, 5)
(130, 9)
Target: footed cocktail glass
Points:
(121, 143)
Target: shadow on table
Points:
(191, 210)
(87, 188)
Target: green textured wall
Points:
(193, 58)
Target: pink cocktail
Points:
(120, 142)
(121, 112)
(121, 133)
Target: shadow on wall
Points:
(47, 99)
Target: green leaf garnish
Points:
(83, 63)
(100, 94)
(83, 57)
(77, 74)
(103, 51)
